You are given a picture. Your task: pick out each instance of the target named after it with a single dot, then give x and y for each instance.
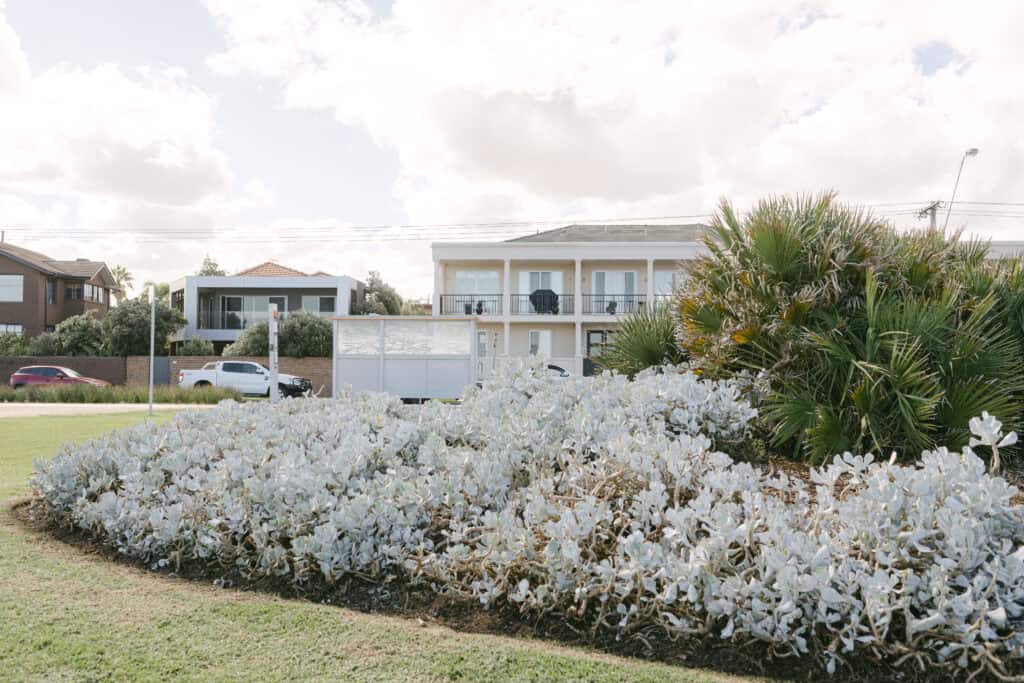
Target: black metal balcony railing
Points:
(612, 304)
(471, 304)
(542, 303)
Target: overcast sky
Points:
(149, 132)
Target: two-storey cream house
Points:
(561, 293)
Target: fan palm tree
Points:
(124, 280)
(870, 339)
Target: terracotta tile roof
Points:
(321, 273)
(271, 269)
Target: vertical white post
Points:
(272, 348)
(579, 348)
(438, 286)
(650, 282)
(577, 289)
(152, 342)
(506, 291)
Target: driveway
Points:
(35, 409)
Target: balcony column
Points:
(438, 286)
(506, 296)
(579, 347)
(508, 338)
(650, 282)
(577, 293)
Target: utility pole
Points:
(272, 347)
(930, 211)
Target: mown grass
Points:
(84, 393)
(66, 614)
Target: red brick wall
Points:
(318, 370)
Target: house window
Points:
(231, 312)
(540, 343)
(477, 282)
(664, 282)
(12, 288)
(51, 292)
(91, 293)
(74, 292)
(321, 305)
(531, 281)
(11, 328)
(598, 341)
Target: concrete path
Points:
(35, 409)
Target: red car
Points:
(51, 374)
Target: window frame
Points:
(19, 286)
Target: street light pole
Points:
(152, 342)
(972, 152)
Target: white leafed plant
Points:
(609, 502)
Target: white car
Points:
(244, 376)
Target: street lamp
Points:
(972, 152)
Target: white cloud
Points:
(598, 107)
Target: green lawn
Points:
(65, 614)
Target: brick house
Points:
(37, 292)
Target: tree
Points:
(163, 290)
(127, 327)
(380, 298)
(46, 344)
(867, 338)
(13, 345)
(645, 339)
(210, 267)
(124, 281)
(197, 346)
(254, 341)
(82, 335)
(305, 334)
(299, 335)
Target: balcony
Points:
(612, 304)
(542, 302)
(232, 320)
(471, 304)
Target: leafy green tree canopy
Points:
(196, 346)
(299, 335)
(210, 267)
(82, 335)
(127, 327)
(380, 298)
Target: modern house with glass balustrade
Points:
(219, 307)
(561, 293)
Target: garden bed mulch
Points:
(426, 607)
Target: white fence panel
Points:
(409, 357)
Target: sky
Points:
(345, 136)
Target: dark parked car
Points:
(51, 375)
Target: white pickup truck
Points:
(245, 376)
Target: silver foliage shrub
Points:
(603, 500)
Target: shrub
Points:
(254, 341)
(83, 393)
(299, 335)
(868, 339)
(46, 344)
(645, 339)
(127, 326)
(600, 501)
(305, 334)
(81, 335)
(13, 345)
(196, 346)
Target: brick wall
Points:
(318, 370)
(110, 369)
